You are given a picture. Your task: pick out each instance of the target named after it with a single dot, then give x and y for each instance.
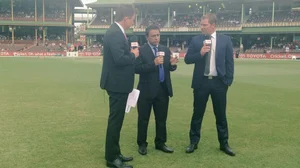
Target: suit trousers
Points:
(117, 105)
(218, 92)
(160, 105)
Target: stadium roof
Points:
(101, 3)
(77, 3)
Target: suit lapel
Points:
(217, 45)
(149, 50)
(117, 28)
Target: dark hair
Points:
(124, 11)
(212, 18)
(151, 27)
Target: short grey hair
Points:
(124, 10)
(212, 18)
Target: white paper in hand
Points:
(132, 99)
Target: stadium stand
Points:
(50, 29)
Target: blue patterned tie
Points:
(161, 67)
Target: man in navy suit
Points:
(155, 88)
(212, 54)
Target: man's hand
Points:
(159, 60)
(136, 52)
(174, 60)
(205, 49)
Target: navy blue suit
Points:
(216, 86)
(153, 93)
(224, 59)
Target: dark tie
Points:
(161, 67)
(207, 61)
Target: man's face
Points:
(129, 22)
(154, 37)
(206, 27)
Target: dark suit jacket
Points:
(149, 72)
(224, 59)
(118, 62)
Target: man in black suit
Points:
(153, 66)
(118, 79)
(212, 54)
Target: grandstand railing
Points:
(189, 29)
(192, 29)
(17, 41)
(5, 18)
(270, 24)
(99, 26)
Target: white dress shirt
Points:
(213, 69)
(151, 46)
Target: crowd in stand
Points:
(102, 20)
(280, 16)
(281, 47)
(28, 15)
(186, 21)
(52, 44)
(154, 19)
(24, 13)
(55, 15)
(229, 19)
(225, 19)
(5, 14)
(156, 16)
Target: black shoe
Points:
(125, 159)
(143, 150)
(117, 164)
(191, 148)
(226, 149)
(164, 148)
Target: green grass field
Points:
(53, 115)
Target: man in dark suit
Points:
(118, 79)
(153, 66)
(212, 54)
